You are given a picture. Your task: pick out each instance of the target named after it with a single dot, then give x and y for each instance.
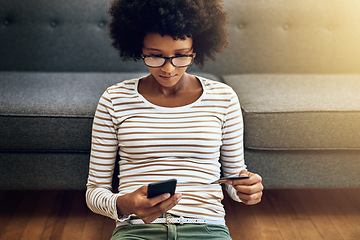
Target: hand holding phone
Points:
(158, 188)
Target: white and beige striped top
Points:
(158, 143)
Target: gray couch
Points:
(295, 66)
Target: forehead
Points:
(154, 41)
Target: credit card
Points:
(225, 179)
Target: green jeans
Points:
(172, 232)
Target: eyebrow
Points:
(177, 50)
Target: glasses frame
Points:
(170, 59)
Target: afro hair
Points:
(202, 20)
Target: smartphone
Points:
(225, 179)
(158, 188)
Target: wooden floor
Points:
(283, 214)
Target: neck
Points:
(181, 85)
(181, 94)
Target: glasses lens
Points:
(154, 61)
(182, 61)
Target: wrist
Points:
(123, 206)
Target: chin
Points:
(168, 81)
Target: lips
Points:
(167, 77)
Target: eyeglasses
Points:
(177, 61)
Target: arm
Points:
(248, 191)
(99, 197)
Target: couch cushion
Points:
(62, 36)
(290, 112)
(305, 169)
(43, 170)
(51, 111)
(297, 36)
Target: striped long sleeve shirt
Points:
(191, 143)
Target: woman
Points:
(169, 124)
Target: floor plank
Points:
(36, 227)
(9, 203)
(300, 217)
(108, 229)
(283, 214)
(61, 216)
(242, 222)
(352, 198)
(264, 215)
(93, 228)
(318, 217)
(336, 214)
(21, 217)
(75, 221)
(52, 218)
(288, 214)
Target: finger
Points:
(168, 204)
(156, 211)
(245, 173)
(253, 179)
(150, 213)
(251, 202)
(249, 189)
(150, 218)
(250, 199)
(158, 199)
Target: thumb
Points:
(143, 190)
(244, 173)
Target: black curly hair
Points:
(202, 20)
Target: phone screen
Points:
(158, 188)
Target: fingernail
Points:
(167, 195)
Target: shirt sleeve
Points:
(104, 145)
(232, 150)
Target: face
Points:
(166, 46)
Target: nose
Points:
(168, 67)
